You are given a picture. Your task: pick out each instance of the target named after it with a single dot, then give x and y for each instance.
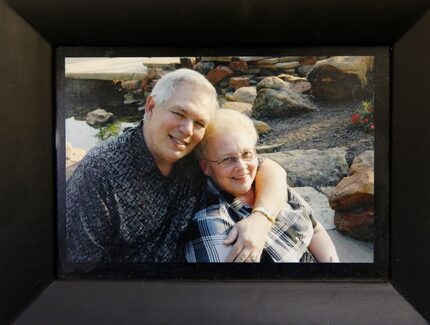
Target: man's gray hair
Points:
(165, 87)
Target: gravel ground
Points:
(328, 127)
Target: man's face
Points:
(173, 130)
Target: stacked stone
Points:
(230, 73)
(352, 199)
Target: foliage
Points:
(109, 130)
(364, 117)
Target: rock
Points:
(98, 118)
(272, 83)
(268, 61)
(261, 127)
(254, 70)
(269, 148)
(231, 58)
(358, 224)
(240, 66)
(219, 73)
(308, 60)
(303, 70)
(289, 58)
(327, 191)
(156, 72)
(278, 66)
(130, 99)
(290, 78)
(297, 84)
(238, 82)
(276, 99)
(354, 192)
(340, 77)
(319, 204)
(244, 94)
(204, 67)
(363, 162)
(224, 83)
(301, 87)
(130, 84)
(187, 63)
(74, 155)
(312, 167)
(244, 108)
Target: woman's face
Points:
(236, 179)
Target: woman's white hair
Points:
(164, 89)
(226, 121)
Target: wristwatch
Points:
(266, 212)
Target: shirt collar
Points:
(214, 189)
(147, 161)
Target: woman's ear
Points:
(204, 166)
(149, 107)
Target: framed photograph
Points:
(317, 113)
(37, 38)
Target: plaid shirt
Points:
(121, 211)
(219, 211)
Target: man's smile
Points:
(179, 142)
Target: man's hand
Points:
(249, 235)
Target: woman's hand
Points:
(249, 237)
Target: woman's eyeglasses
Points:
(230, 160)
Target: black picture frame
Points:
(30, 30)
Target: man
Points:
(131, 198)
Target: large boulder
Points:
(353, 200)
(363, 162)
(276, 99)
(358, 224)
(312, 167)
(340, 77)
(243, 94)
(354, 192)
(297, 84)
(98, 118)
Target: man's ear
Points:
(149, 107)
(204, 166)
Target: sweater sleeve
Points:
(89, 220)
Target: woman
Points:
(228, 158)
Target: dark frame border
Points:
(26, 243)
(377, 271)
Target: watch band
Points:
(266, 212)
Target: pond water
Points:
(80, 135)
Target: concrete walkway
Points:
(349, 249)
